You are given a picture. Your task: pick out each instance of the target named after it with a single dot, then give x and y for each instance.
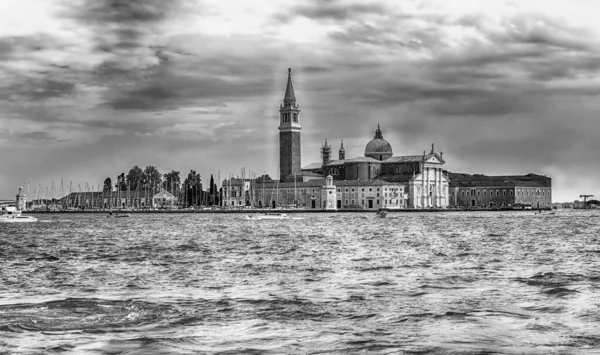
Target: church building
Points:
(376, 180)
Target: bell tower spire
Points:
(289, 99)
(289, 133)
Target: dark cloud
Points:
(123, 24)
(20, 47)
(32, 90)
(332, 10)
(315, 69)
(362, 33)
(38, 137)
(167, 91)
(129, 31)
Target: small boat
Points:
(117, 215)
(11, 215)
(382, 214)
(268, 216)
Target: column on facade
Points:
(425, 183)
(429, 198)
(422, 202)
(439, 188)
(444, 192)
(436, 195)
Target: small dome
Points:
(378, 148)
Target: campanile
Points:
(289, 133)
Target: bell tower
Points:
(289, 133)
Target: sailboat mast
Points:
(61, 193)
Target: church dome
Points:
(378, 148)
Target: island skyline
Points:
(93, 89)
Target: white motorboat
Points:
(117, 215)
(268, 216)
(11, 215)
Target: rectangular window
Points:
(503, 192)
(346, 202)
(352, 202)
(362, 202)
(377, 201)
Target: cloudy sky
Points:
(89, 88)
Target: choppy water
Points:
(431, 283)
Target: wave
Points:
(79, 314)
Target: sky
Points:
(90, 88)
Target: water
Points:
(430, 283)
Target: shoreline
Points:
(282, 211)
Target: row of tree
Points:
(151, 179)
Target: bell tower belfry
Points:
(289, 133)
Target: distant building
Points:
(482, 191)
(579, 204)
(118, 199)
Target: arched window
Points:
(334, 171)
(397, 171)
(376, 170)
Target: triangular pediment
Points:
(434, 158)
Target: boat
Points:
(268, 216)
(382, 214)
(11, 215)
(117, 215)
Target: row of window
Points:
(525, 192)
(362, 202)
(474, 192)
(377, 171)
(285, 117)
(539, 192)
